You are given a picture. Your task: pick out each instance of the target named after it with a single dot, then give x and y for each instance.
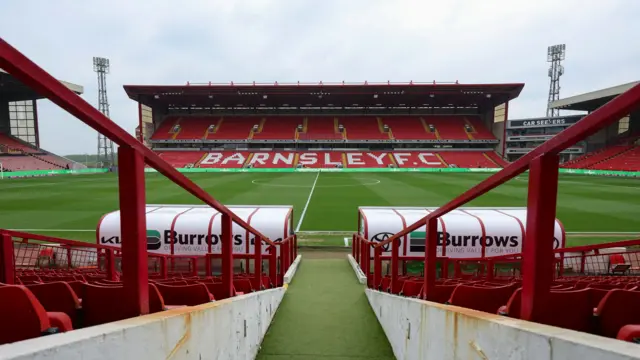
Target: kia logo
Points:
(380, 237)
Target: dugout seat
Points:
(217, 290)
(385, 284)
(442, 293)
(487, 299)
(99, 307)
(256, 283)
(25, 318)
(58, 297)
(77, 287)
(266, 281)
(243, 285)
(411, 288)
(617, 309)
(629, 333)
(566, 309)
(185, 295)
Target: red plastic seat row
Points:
(589, 310)
(481, 298)
(24, 317)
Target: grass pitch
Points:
(70, 206)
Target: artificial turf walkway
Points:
(325, 315)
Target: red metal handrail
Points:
(19, 66)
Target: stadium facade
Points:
(434, 124)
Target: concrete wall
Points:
(227, 329)
(423, 330)
(288, 276)
(356, 269)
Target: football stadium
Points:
(378, 220)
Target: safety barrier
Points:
(24, 254)
(621, 258)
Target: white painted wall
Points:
(227, 329)
(424, 330)
(288, 276)
(362, 278)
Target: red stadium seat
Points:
(629, 333)
(617, 309)
(187, 295)
(442, 293)
(243, 285)
(217, 290)
(99, 308)
(411, 288)
(58, 297)
(487, 299)
(567, 309)
(23, 317)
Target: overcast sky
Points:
(172, 42)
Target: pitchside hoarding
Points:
(191, 228)
(461, 233)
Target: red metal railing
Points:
(615, 262)
(132, 156)
(35, 253)
(537, 254)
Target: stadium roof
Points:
(324, 95)
(14, 90)
(592, 100)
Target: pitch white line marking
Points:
(304, 211)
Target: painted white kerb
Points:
(419, 329)
(356, 268)
(288, 276)
(227, 329)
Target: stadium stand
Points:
(597, 157)
(408, 128)
(231, 128)
(323, 128)
(12, 144)
(195, 127)
(448, 127)
(627, 160)
(167, 129)
(362, 128)
(278, 128)
(478, 130)
(320, 128)
(469, 159)
(180, 159)
(30, 162)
